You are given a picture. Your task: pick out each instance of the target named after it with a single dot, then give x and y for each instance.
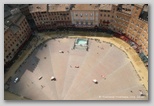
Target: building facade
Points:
(50, 16)
(59, 14)
(126, 19)
(85, 15)
(24, 8)
(16, 32)
(121, 18)
(106, 15)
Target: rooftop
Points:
(13, 22)
(145, 8)
(58, 7)
(6, 7)
(125, 8)
(105, 7)
(14, 28)
(139, 5)
(9, 25)
(7, 22)
(38, 8)
(20, 19)
(23, 5)
(7, 14)
(12, 5)
(14, 19)
(86, 7)
(144, 13)
(5, 28)
(15, 11)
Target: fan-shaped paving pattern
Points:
(76, 83)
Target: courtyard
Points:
(110, 65)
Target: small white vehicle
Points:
(16, 80)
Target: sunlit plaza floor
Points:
(117, 78)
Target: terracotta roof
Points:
(105, 7)
(58, 7)
(38, 8)
(86, 7)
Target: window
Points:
(100, 14)
(104, 15)
(108, 15)
(86, 23)
(96, 14)
(76, 14)
(81, 14)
